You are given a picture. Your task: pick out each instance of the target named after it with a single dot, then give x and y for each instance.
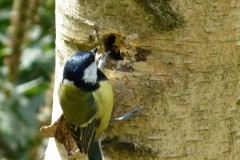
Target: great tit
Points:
(86, 99)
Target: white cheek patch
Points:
(66, 81)
(90, 73)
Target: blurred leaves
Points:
(22, 100)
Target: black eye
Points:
(92, 58)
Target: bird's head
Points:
(81, 69)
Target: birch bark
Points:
(179, 59)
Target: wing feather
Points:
(83, 136)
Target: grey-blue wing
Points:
(83, 136)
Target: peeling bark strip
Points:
(187, 79)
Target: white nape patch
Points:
(90, 73)
(66, 81)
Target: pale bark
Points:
(188, 84)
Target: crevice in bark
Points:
(116, 145)
(165, 18)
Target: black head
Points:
(81, 69)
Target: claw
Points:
(135, 112)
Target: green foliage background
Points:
(23, 104)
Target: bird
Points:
(86, 98)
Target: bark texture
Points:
(185, 72)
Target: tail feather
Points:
(95, 151)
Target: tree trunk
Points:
(178, 59)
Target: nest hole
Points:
(110, 45)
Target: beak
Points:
(94, 50)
